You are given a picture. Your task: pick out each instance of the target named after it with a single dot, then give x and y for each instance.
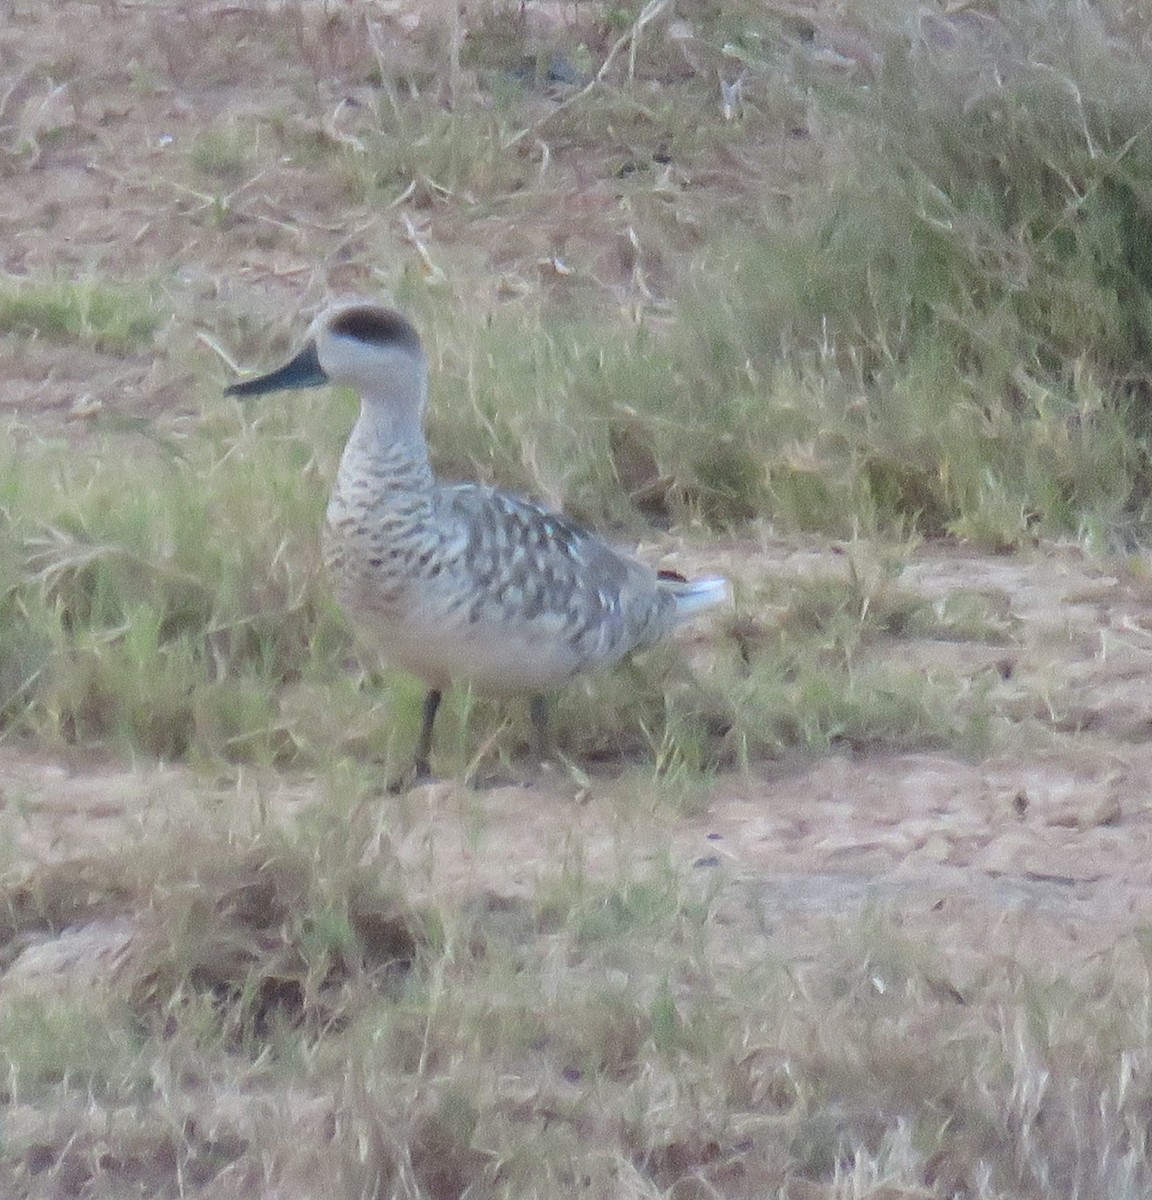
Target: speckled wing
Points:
(532, 567)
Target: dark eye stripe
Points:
(378, 326)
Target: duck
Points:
(460, 582)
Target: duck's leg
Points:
(424, 743)
(538, 710)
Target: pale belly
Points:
(496, 657)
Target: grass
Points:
(136, 631)
(224, 155)
(108, 317)
(137, 647)
(438, 1057)
(705, 278)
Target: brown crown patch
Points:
(379, 326)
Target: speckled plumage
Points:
(461, 581)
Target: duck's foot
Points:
(420, 773)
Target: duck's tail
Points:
(696, 595)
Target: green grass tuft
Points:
(114, 319)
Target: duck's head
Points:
(359, 345)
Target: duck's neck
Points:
(386, 459)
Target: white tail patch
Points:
(699, 595)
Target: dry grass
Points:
(875, 272)
(270, 1014)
